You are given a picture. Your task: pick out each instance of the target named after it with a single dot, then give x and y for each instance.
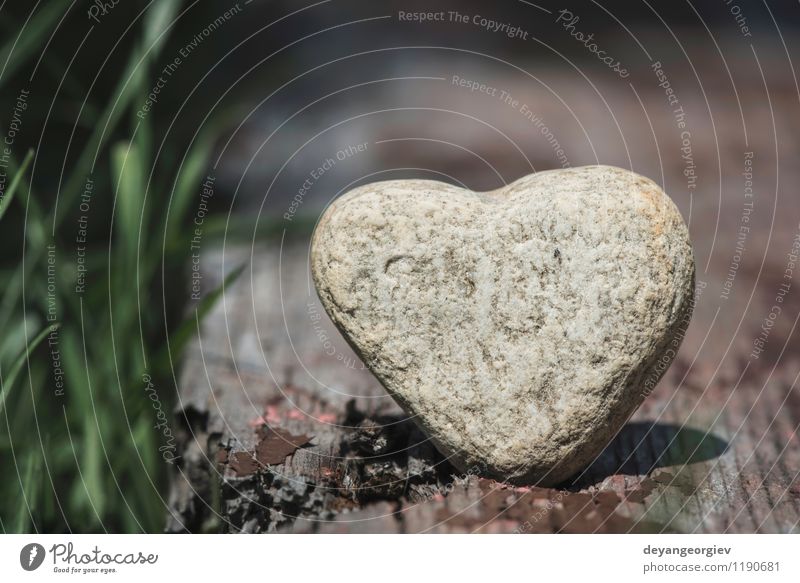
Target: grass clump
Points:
(93, 301)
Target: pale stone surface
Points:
(521, 326)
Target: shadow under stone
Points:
(641, 447)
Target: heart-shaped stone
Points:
(519, 327)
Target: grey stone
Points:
(519, 327)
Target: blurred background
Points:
(141, 137)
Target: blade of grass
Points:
(23, 271)
(187, 328)
(156, 21)
(12, 188)
(20, 47)
(191, 174)
(129, 171)
(5, 385)
(80, 400)
(14, 335)
(160, 15)
(29, 484)
(194, 165)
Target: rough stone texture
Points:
(520, 327)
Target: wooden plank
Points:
(713, 449)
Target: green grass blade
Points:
(5, 385)
(29, 484)
(91, 456)
(12, 188)
(129, 171)
(187, 184)
(127, 89)
(179, 338)
(21, 45)
(156, 20)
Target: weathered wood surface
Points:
(713, 449)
